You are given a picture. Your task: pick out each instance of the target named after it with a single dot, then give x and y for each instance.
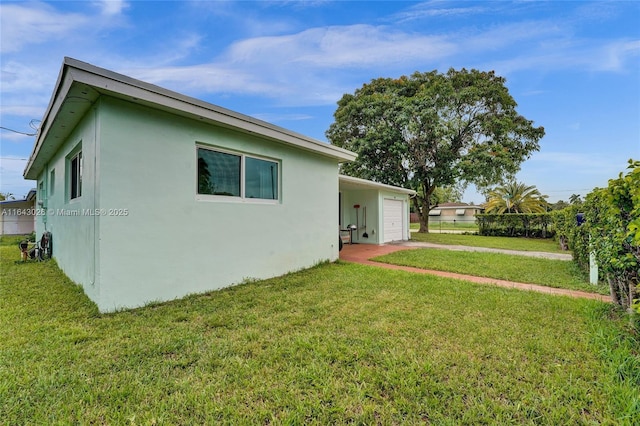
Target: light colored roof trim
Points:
(459, 207)
(110, 83)
(31, 196)
(369, 184)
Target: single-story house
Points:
(151, 195)
(454, 212)
(17, 217)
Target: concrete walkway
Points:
(361, 253)
(540, 254)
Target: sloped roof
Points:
(349, 182)
(31, 195)
(80, 84)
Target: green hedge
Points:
(531, 225)
(611, 231)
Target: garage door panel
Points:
(393, 220)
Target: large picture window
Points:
(236, 175)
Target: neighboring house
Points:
(17, 217)
(379, 212)
(152, 195)
(454, 212)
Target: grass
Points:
(522, 244)
(336, 344)
(14, 240)
(552, 273)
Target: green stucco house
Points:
(151, 195)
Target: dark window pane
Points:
(218, 173)
(80, 166)
(76, 178)
(261, 179)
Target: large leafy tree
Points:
(432, 130)
(516, 197)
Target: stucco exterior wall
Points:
(366, 198)
(70, 222)
(373, 201)
(163, 242)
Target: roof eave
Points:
(113, 84)
(374, 185)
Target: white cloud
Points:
(437, 9)
(111, 7)
(18, 78)
(341, 46)
(29, 23)
(304, 68)
(317, 65)
(614, 56)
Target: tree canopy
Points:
(516, 197)
(432, 130)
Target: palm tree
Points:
(516, 197)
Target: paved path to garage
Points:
(361, 253)
(540, 254)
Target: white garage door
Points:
(393, 220)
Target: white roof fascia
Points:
(109, 81)
(374, 185)
(121, 86)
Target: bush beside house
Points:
(607, 227)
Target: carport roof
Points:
(350, 182)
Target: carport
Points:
(378, 212)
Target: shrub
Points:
(611, 231)
(530, 225)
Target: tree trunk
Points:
(424, 226)
(424, 207)
(613, 290)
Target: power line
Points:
(570, 190)
(16, 131)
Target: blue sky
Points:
(573, 67)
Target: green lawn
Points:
(460, 226)
(552, 273)
(522, 244)
(340, 343)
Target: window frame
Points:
(52, 181)
(243, 176)
(76, 153)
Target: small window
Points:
(460, 212)
(75, 164)
(261, 179)
(52, 181)
(236, 175)
(41, 194)
(218, 173)
(435, 212)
